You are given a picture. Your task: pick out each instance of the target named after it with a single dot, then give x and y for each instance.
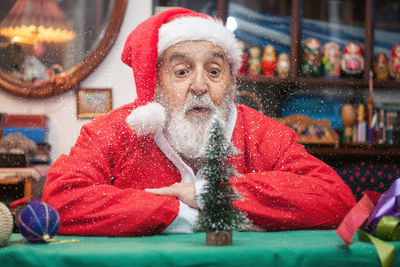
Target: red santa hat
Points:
(147, 42)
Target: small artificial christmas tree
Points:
(219, 218)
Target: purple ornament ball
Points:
(38, 222)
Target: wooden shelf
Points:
(319, 81)
(354, 151)
(357, 152)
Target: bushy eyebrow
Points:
(217, 54)
(177, 55)
(184, 56)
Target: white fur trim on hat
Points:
(147, 119)
(197, 29)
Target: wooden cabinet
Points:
(360, 19)
(299, 9)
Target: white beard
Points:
(189, 134)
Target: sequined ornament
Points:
(6, 224)
(38, 222)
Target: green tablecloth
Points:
(293, 248)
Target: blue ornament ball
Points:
(38, 222)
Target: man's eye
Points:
(181, 72)
(214, 72)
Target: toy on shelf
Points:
(370, 111)
(269, 61)
(331, 60)
(245, 58)
(310, 131)
(361, 124)
(311, 65)
(283, 65)
(254, 64)
(348, 120)
(395, 63)
(352, 63)
(381, 67)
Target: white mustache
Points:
(203, 101)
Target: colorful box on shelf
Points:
(34, 134)
(32, 126)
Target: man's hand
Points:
(185, 192)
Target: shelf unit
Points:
(260, 85)
(295, 54)
(335, 156)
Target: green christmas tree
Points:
(218, 214)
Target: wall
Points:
(63, 125)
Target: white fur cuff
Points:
(147, 119)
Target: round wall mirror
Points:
(48, 64)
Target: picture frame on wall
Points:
(92, 102)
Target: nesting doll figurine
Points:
(381, 67)
(395, 63)
(254, 64)
(269, 61)
(245, 58)
(352, 63)
(283, 65)
(331, 60)
(311, 65)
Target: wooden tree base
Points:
(219, 238)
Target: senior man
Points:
(133, 171)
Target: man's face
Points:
(194, 84)
(197, 68)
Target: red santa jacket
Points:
(98, 188)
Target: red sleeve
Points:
(79, 187)
(288, 188)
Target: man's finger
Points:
(165, 191)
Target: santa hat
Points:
(150, 39)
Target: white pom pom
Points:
(148, 119)
(6, 224)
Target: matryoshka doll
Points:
(254, 63)
(352, 63)
(381, 67)
(395, 63)
(311, 65)
(245, 58)
(331, 60)
(283, 65)
(269, 61)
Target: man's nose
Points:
(199, 85)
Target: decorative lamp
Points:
(32, 21)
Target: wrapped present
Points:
(375, 224)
